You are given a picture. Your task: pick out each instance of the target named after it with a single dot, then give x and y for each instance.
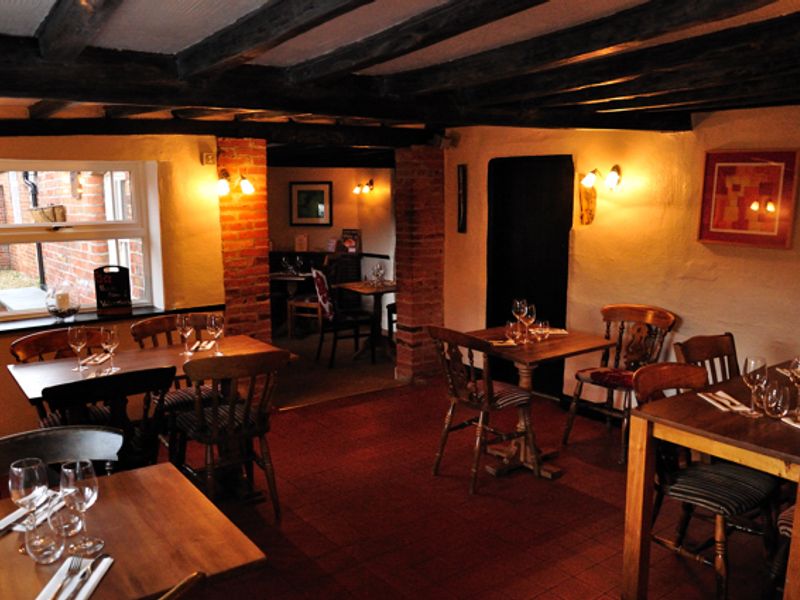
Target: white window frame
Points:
(144, 224)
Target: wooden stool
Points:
(303, 307)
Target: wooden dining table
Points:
(156, 525)
(765, 444)
(376, 291)
(526, 357)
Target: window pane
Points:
(74, 196)
(26, 270)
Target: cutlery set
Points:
(723, 401)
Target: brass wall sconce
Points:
(613, 178)
(364, 188)
(588, 191)
(224, 186)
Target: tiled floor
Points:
(364, 517)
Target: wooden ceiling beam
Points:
(46, 108)
(71, 26)
(258, 31)
(615, 33)
(199, 113)
(774, 36)
(123, 111)
(420, 31)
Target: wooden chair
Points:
(335, 320)
(302, 307)
(726, 490)
(51, 344)
(716, 353)
(478, 394)
(75, 403)
(182, 588)
(60, 444)
(639, 332)
(232, 420)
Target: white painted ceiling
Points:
(168, 26)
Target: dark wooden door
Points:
(530, 217)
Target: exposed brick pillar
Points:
(245, 245)
(419, 256)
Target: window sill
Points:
(31, 325)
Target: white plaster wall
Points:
(643, 244)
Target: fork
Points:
(85, 574)
(72, 570)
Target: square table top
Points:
(554, 347)
(156, 525)
(365, 288)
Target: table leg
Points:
(791, 588)
(638, 509)
(374, 340)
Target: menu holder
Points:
(112, 286)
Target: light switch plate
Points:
(208, 158)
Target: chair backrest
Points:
(71, 400)
(60, 444)
(651, 381)
(453, 347)
(639, 331)
(241, 392)
(164, 326)
(323, 294)
(716, 353)
(54, 343)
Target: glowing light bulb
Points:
(613, 178)
(223, 187)
(589, 179)
(246, 187)
(365, 189)
(357, 189)
(770, 206)
(755, 206)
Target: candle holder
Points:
(62, 301)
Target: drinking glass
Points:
(109, 340)
(527, 319)
(185, 329)
(541, 330)
(512, 331)
(755, 376)
(27, 484)
(44, 541)
(76, 338)
(215, 323)
(794, 375)
(777, 398)
(79, 490)
(518, 308)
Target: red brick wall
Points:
(419, 256)
(245, 246)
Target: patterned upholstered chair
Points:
(725, 490)
(716, 353)
(639, 332)
(478, 394)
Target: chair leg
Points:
(626, 417)
(210, 470)
(721, 556)
(321, 340)
(573, 407)
(333, 348)
(659, 500)
(479, 446)
(448, 420)
(356, 334)
(269, 472)
(290, 321)
(687, 510)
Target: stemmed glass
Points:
(76, 338)
(777, 399)
(518, 308)
(541, 330)
(527, 319)
(109, 340)
(79, 490)
(755, 376)
(185, 328)
(215, 323)
(27, 486)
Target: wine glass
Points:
(794, 375)
(541, 330)
(215, 323)
(109, 340)
(44, 540)
(76, 338)
(777, 398)
(512, 331)
(185, 328)
(79, 490)
(527, 319)
(27, 486)
(518, 308)
(755, 376)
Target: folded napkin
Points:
(714, 402)
(41, 515)
(96, 359)
(202, 346)
(732, 402)
(88, 586)
(784, 372)
(502, 342)
(791, 421)
(555, 331)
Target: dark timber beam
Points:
(72, 25)
(621, 31)
(420, 31)
(258, 31)
(199, 113)
(378, 137)
(122, 111)
(45, 108)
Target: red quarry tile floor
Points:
(363, 517)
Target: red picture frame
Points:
(749, 198)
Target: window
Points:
(60, 220)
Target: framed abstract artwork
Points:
(310, 203)
(749, 198)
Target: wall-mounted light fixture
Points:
(613, 178)
(364, 188)
(224, 186)
(769, 206)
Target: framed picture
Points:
(749, 198)
(310, 203)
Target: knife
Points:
(84, 575)
(10, 527)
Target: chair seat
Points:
(505, 395)
(187, 422)
(182, 399)
(722, 488)
(98, 415)
(786, 522)
(607, 377)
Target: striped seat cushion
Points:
(722, 488)
(188, 423)
(182, 399)
(786, 521)
(607, 377)
(505, 395)
(98, 415)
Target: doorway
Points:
(530, 217)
